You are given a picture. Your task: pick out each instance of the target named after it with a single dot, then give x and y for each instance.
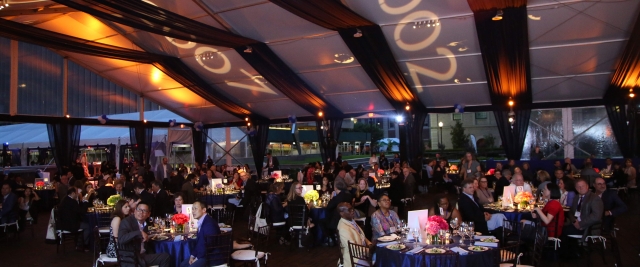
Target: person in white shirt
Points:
(517, 185)
(373, 159)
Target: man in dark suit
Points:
(70, 215)
(470, 210)
(250, 188)
(409, 183)
(106, 190)
(163, 171)
(342, 195)
(61, 188)
(207, 226)
(504, 179)
(8, 204)
(145, 196)
(612, 204)
(585, 213)
(188, 193)
(162, 204)
(272, 163)
(133, 227)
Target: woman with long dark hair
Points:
(28, 208)
(121, 210)
(443, 209)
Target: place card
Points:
(459, 250)
(487, 244)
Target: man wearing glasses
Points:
(134, 227)
(613, 205)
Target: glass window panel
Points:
(39, 81)
(5, 73)
(592, 134)
(545, 130)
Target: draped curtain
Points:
(140, 136)
(623, 123)
(200, 145)
(328, 139)
(64, 139)
(505, 55)
(477, 5)
(627, 73)
(414, 138)
(258, 141)
(513, 139)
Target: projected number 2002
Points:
(414, 69)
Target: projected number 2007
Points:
(414, 69)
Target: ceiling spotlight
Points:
(182, 126)
(462, 49)
(248, 50)
(320, 114)
(358, 34)
(453, 44)
(511, 102)
(249, 124)
(456, 81)
(343, 58)
(370, 115)
(407, 107)
(498, 15)
(399, 118)
(145, 121)
(429, 24)
(67, 116)
(246, 119)
(631, 94)
(438, 23)
(532, 17)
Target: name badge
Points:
(392, 229)
(442, 211)
(468, 170)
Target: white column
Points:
(13, 79)
(65, 86)
(227, 146)
(567, 132)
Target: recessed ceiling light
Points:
(456, 81)
(462, 49)
(343, 58)
(532, 17)
(453, 44)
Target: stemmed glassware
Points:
(415, 232)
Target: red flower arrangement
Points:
(436, 223)
(380, 171)
(180, 218)
(40, 184)
(275, 175)
(597, 170)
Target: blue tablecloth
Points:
(391, 258)
(178, 251)
(318, 214)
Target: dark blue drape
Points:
(258, 141)
(199, 144)
(141, 141)
(623, 123)
(64, 139)
(328, 139)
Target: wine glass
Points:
(415, 233)
(471, 227)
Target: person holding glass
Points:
(384, 221)
(442, 208)
(552, 214)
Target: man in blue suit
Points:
(8, 202)
(207, 226)
(613, 205)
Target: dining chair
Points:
(359, 255)
(218, 249)
(63, 235)
(508, 255)
(297, 223)
(98, 256)
(444, 260)
(341, 249)
(225, 216)
(260, 241)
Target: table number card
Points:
(519, 189)
(192, 226)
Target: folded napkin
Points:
(487, 244)
(225, 229)
(459, 250)
(415, 250)
(484, 236)
(178, 238)
(387, 243)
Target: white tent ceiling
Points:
(574, 46)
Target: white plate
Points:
(435, 251)
(490, 240)
(477, 248)
(387, 238)
(396, 247)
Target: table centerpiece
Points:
(434, 224)
(522, 198)
(311, 196)
(180, 220)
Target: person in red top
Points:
(310, 173)
(552, 215)
(236, 181)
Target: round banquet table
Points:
(47, 199)
(177, 250)
(318, 214)
(391, 258)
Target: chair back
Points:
(103, 217)
(340, 259)
(129, 254)
(508, 254)
(218, 248)
(511, 231)
(359, 255)
(226, 216)
(538, 246)
(298, 216)
(444, 260)
(97, 248)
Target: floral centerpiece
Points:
(523, 198)
(311, 196)
(112, 200)
(453, 169)
(219, 188)
(434, 224)
(275, 175)
(39, 185)
(180, 220)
